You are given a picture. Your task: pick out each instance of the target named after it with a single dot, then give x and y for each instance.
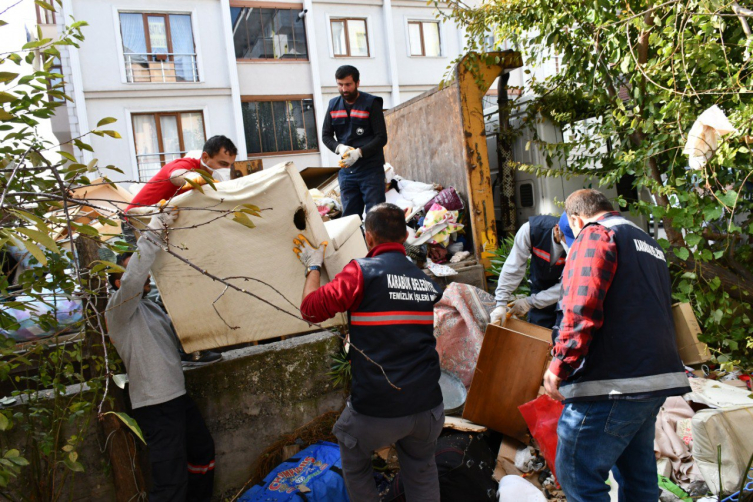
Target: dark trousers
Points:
(546, 318)
(181, 450)
(361, 188)
(415, 438)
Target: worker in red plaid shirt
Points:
(615, 358)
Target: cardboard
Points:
(319, 177)
(686, 334)
(508, 373)
(506, 459)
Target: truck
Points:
(447, 136)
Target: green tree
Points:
(643, 72)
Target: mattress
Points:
(259, 260)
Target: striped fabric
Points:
(546, 256)
(360, 114)
(338, 114)
(201, 469)
(394, 317)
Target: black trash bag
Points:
(465, 463)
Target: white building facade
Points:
(175, 72)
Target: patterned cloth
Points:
(55, 315)
(460, 320)
(589, 271)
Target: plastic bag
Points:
(542, 415)
(318, 468)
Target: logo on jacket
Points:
(360, 131)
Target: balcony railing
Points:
(149, 164)
(161, 67)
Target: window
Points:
(424, 38)
(350, 37)
(158, 47)
(163, 137)
(268, 33)
(526, 195)
(282, 126)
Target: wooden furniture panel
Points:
(508, 374)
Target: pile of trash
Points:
(434, 219)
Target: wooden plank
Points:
(508, 374)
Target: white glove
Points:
(309, 255)
(350, 157)
(341, 149)
(520, 307)
(163, 220)
(499, 315)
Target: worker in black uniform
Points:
(354, 129)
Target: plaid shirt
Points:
(591, 265)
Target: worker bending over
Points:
(615, 356)
(545, 242)
(181, 449)
(354, 129)
(390, 303)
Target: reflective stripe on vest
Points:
(618, 386)
(395, 317)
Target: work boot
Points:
(199, 358)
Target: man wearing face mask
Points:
(216, 159)
(545, 240)
(615, 359)
(354, 129)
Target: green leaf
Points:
(74, 466)
(712, 213)
(692, 240)
(129, 422)
(5, 115)
(715, 283)
(40, 237)
(92, 166)
(85, 229)
(36, 252)
(112, 134)
(6, 76)
(44, 5)
(682, 253)
(718, 315)
(6, 97)
(106, 120)
(4, 424)
(108, 266)
(195, 185)
(729, 198)
(68, 156)
(243, 219)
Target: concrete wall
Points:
(248, 401)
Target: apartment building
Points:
(175, 72)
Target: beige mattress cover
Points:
(226, 248)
